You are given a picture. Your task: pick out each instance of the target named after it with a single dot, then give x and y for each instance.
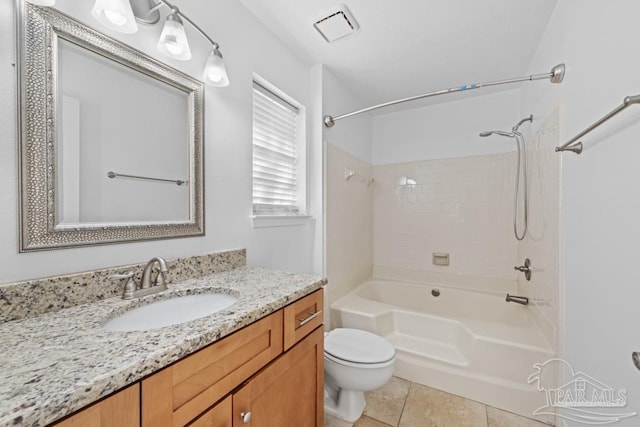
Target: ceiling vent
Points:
(336, 24)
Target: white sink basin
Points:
(170, 312)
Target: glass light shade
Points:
(173, 40)
(115, 15)
(42, 2)
(215, 73)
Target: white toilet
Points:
(355, 361)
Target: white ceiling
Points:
(410, 47)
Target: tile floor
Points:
(401, 403)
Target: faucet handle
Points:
(128, 275)
(130, 286)
(526, 269)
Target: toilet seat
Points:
(346, 363)
(355, 347)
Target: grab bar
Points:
(577, 147)
(112, 174)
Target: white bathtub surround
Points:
(466, 342)
(543, 242)
(349, 219)
(461, 206)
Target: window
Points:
(278, 153)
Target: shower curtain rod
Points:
(556, 75)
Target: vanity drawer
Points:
(302, 317)
(179, 393)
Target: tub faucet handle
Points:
(526, 269)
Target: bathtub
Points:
(469, 343)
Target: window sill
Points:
(260, 221)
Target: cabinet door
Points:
(181, 392)
(218, 416)
(289, 392)
(118, 410)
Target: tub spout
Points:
(517, 299)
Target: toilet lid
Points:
(355, 345)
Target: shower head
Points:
(497, 132)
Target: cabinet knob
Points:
(245, 417)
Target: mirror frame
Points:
(38, 31)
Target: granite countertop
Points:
(57, 363)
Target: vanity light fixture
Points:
(173, 39)
(119, 15)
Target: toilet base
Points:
(349, 405)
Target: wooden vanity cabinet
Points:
(181, 392)
(289, 392)
(121, 409)
(253, 376)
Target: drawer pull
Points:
(245, 417)
(310, 318)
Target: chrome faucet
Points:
(146, 286)
(161, 278)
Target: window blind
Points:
(274, 154)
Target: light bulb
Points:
(215, 73)
(174, 49)
(115, 17)
(115, 14)
(173, 40)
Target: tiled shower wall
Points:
(349, 214)
(460, 206)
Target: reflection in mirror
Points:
(97, 122)
(110, 141)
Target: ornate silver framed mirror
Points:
(111, 140)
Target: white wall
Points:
(598, 41)
(447, 129)
(247, 47)
(353, 134)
